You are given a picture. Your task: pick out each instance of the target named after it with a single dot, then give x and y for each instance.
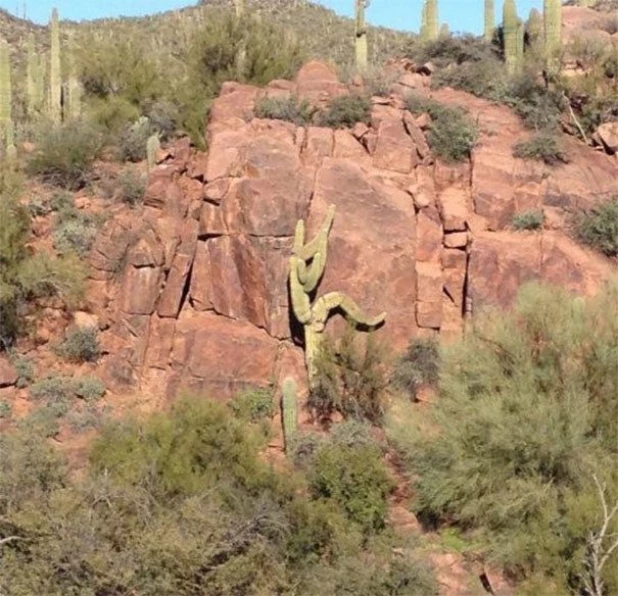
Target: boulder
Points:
(608, 133)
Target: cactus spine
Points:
(553, 33)
(153, 144)
(361, 35)
(510, 28)
(289, 411)
(5, 85)
(490, 20)
(55, 80)
(307, 265)
(430, 29)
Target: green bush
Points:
(452, 135)
(132, 142)
(528, 220)
(5, 409)
(356, 479)
(345, 111)
(254, 404)
(89, 388)
(65, 154)
(350, 380)
(53, 389)
(598, 228)
(81, 344)
(131, 187)
(525, 417)
(75, 230)
(419, 366)
(24, 369)
(453, 50)
(290, 109)
(543, 148)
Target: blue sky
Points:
(461, 15)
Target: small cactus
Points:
(361, 35)
(432, 20)
(152, 147)
(55, 79)
(5, 84)
(289, 410)
(490, 20)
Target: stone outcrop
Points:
(191, 290)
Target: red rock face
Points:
(194, 293)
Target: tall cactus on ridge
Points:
(361, 35)
(31, 74)
(521, 40)
(55, 79)
(307, 265)
(289, 411)
(510, 28)
(73, 86)
(6, 95)
(433, 20)
(553, 33)
(490, 20)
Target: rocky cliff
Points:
(192, 292)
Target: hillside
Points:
(273, 324)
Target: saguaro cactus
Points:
(490, 20)
(289, 410)
(510, 29)
(55, 80)
(534, 27)
(31, 74)
(553, 32)
(5, 84)
(307, 265)
(361, 35)
(73, 86)
(432, 19)
(153, 144)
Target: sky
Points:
(461, 15)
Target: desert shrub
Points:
(345, 111)
(65, 154)
(87, 418)
(132, 142)
(25, 276)
(356, 479)
(39, 207)
(529, 220)
(89, 388)
(24, 369)
(419, 366)
(454, 49)
(131, 187)
(53, 389)
(290, 109)
(484, 78)
(254, 404)
(524, 419)
(540, 108)
(352, 433)
(5, 409)
(81, 344)
(452, 135)
(543, 148)
(75, 230)
(350, 379)
(598, 227)
(303, 446)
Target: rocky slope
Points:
(191, 291)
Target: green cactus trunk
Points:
(534, 27)
(490, 20)
(510, 29)
(553, 34)
(289, 411)
(55, 79)
(433, 20)
(31, 74)
(521, 35)
(152, 147)
(6, 97)
(361, 37)
(73, 87)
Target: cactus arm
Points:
(299, 298)
(510, 27)
(326, 304)
(308, 251)
(313, 273)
